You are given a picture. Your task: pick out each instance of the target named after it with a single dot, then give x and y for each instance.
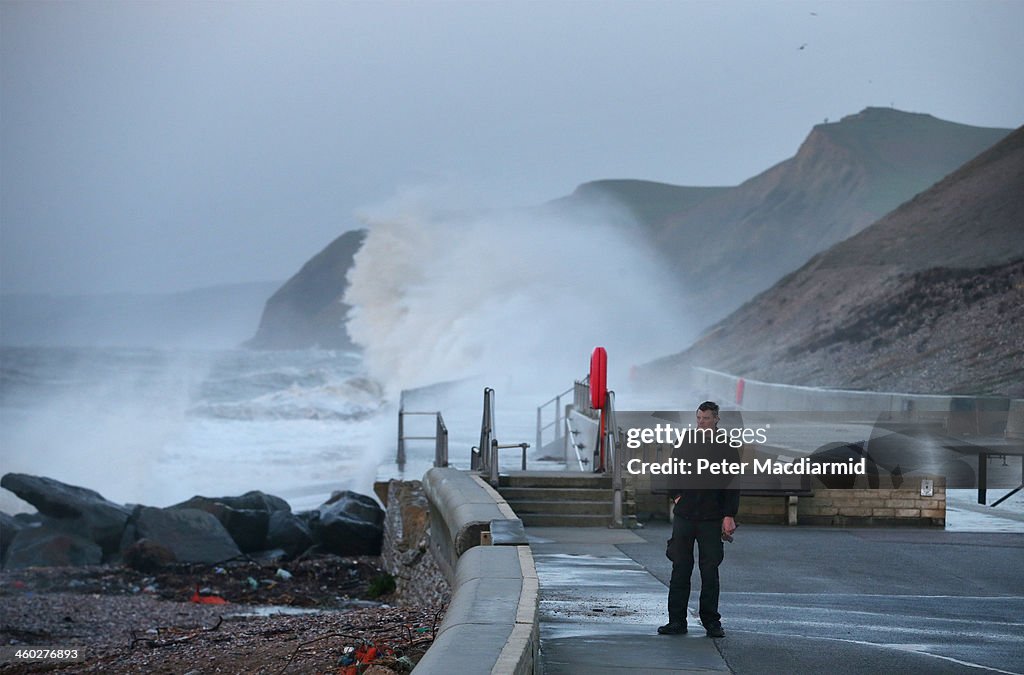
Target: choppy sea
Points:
(157, 426)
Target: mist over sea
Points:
(515, 301)
(156, 426)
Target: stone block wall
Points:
(405, 553)
(901, 505)
(889, 505)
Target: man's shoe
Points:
(672, 628)
(715, 632)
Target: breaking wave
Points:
(522, 295)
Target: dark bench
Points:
(791, 495)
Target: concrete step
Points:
(560, 507)
(563, 499)
(554, 479)
(571, 494)
(551, 520)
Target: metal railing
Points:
(614, 457)
(559, 432)
(484, 457)
(480, 456)
(581, 398)
(440, 438)
(441, 443)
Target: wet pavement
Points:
(599, 608)
(965, 514)
(794, 600)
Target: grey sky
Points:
(160, 146)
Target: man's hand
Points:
(728, 525)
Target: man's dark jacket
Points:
(722, 496)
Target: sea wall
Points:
(491, 625)
(730, 390)
(405, 552)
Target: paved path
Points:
(599, 608)
(795, 600)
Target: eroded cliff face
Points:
(928, 299)
(726, 244)
(308, 310)
(721, 245)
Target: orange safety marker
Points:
(207, 599)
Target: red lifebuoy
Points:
(598, 377)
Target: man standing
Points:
(705, 517)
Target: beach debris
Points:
(172, 636)
(207, 599)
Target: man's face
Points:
(706, 419)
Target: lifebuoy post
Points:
(598, 396)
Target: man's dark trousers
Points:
(711, 551)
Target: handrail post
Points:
(493, 475)
(565, 437)
(539, 421)
(487, 463)
(400, 459)
(558, 419)
(613, 453)
(440, 442)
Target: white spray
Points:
(520, 297)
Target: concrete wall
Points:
(769, 396)
(491, 624)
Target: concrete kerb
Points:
(492, 623)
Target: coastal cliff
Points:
(308, 311)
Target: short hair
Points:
(709, 405)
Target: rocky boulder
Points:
(247, 527)
(89, 513)
(191, 535)
(350, 524)
(147, 556)
(245, 517)
(52, 544)
(256, 501)
(288, 532)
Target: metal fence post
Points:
(440, 442)
(400, 459)
(493, 477)
(538, 426)
(613, 452)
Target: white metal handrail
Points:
(556, 423)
